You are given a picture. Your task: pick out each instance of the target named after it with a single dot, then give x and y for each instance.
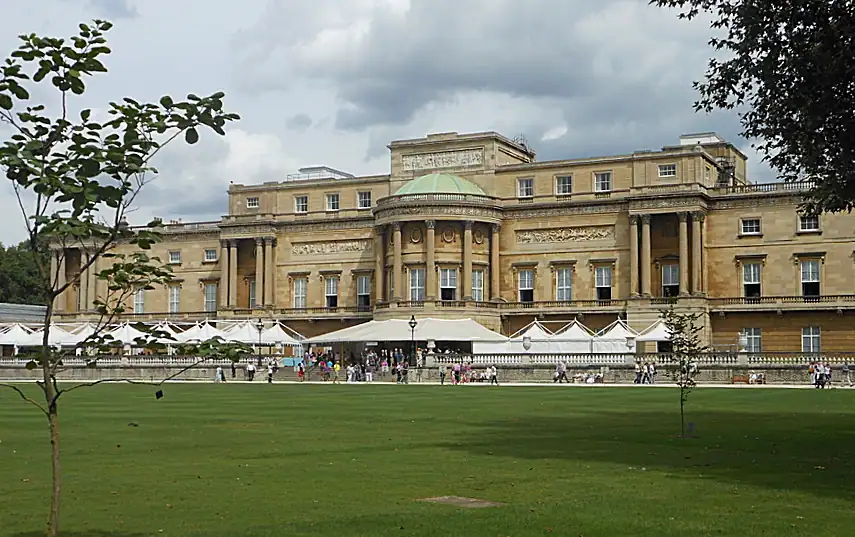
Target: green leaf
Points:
(90, 167)
(84, 114)
(191, 136)
(166, 101)
(31, 365)
(6, 102)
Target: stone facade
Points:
(589, 238)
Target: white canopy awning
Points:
(80, 334)
(14, 335)
(574, 331)
(276, 335)
(399, 330)
(57, 338)
(657, 332)
(199, 332)
(614, 339)
(128, 335)
(244, 332)
(534, 331)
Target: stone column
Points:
(495, 273)
(467, 260)
(397, 264)
(54, 273)
(224, 274)
(62, 300)
(697, 252)
(633, 255)
(269, 272)
(83, 283)
(430, 260)
(233, 262)
(379, 263)
(684, 252)
(93, 284)
(645, 255)
(259, 271)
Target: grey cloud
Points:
(299, 122)
(115, 9)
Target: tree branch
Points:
(24, 396)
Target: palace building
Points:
(473, 226)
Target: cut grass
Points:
(261, 460)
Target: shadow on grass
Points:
(813, 452)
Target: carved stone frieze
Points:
(665, 203)
(443, 159)
(520, 213)
(430, 210)
(568, 234)
(329, 226)
(332, 247)
(248, 231)
(754, 201)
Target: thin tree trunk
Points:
(53, 519)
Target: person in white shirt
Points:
(494, 375)
(349, 372)
(219, 375)
(270, 373)
(250, 371)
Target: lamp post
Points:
(413, 323)
(259, 326)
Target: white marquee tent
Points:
(537, 336)
(572, 339)
(657, 332)
(614, 339)
(15, 335)
(128, 335)
(276, 335)
(399, 330)
(198, 333)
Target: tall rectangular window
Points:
(331, 291)
(670, 280)
(752, 339)
(174, 299)
(417, 285)
(564, 284)
(478, 285)
(810, 339)
(333, 202)
(175, 257)
(363, 200)
(139, 301)
(252, 295)
(301, 204)
(210, 255)
(810, 277)
(363, 292)
(448, 284)
(210, 297)
(525, 188)
(602, 181)
(603, 282)
(525, 284)
(301, 286)
(751, 278)
(667, 170)
(564, 185)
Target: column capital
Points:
(430, 224)
(645, 219)
(224, 243)
(396, 227)
(259, 241)
(682, 216)
(699, 216)
(467, 225)
(633, 219)
(233, 243)
(496, 228)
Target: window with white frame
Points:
(564, 284)
(564, 185)
(301, 204)
(603, 282)
(174, 257)
(448, 284)
(525, 188)
(252, 203)
(333, 202)
(301, 286)
(331, 291)
(363, 200)
(749, 226)
(525, 285)
(174, 299)
(210, 255)
(603, 182)
(363, 292)
(670, 280)
(252, 295)
(753, 340)
(139, 301)
(417, 285)
(810, 339)
(478, 285)
(810, 277)
(809, 223)
(751, 280)
(210, 297)
(667, 170)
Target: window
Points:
(810, 339)
(603, 182)
(417, 285)
(331, 291)
(563, 185)
(252, 295)
(174, 299)
(363, 200)
(669, 170)
(809, 223)
(751, 277)
(363, 292)
(210, 255)
(478, 285)
(448, 284)
(333, 202)
(301, 204)
(603, 282)
(300, 288)
(174, 258)
(670, 280)
(564, 284)
(707, 175)
(525, 188)
(752, 339)
(810, 277)
(139, 301)
(526, 285)
(750, 226)
(252, 203)
(210, 297)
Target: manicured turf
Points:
(261, 460)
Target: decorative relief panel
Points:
(429, 210)
(444, 159)
(568, 234)
(332, 247)
(447, 234)
(328, 226)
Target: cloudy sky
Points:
(332, 82)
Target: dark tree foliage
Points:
(789, 68)
(20, 280)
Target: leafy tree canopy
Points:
(20, 279)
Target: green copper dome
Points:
(440, 183)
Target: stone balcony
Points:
(782, 303)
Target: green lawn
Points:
(261, 460)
